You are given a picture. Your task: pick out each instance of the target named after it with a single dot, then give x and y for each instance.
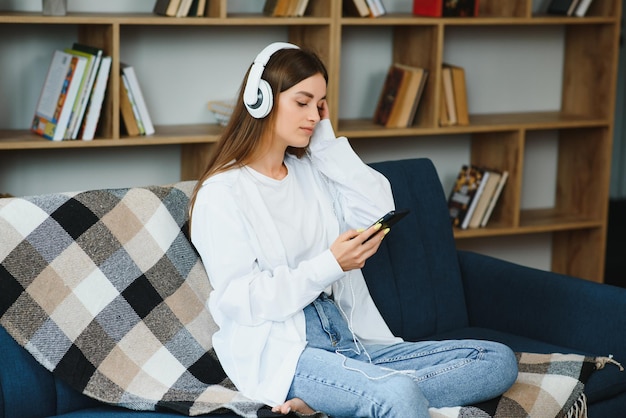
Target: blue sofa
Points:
(426, 289)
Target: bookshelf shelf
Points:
(583, 123)
(535, 221)
(497, 122)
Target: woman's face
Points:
(299, 111)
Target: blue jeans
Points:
(338, 376)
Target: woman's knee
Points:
(504, 364)
(400, 395)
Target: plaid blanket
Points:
(548, 385)
(104, 289)
(105, 282)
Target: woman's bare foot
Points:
(295, 405)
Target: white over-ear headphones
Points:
(257, 95)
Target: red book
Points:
(428, 8)
(445, 8)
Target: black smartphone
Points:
(390, 219)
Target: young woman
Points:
(278, 220)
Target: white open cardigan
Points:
(257, 300)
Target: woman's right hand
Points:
(352, 248)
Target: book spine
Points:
(126, 110)
(582, 8)
(432, 8)
(495, 198)
(97, 97)
(448, 88)
(133, 104)
(67, 99)
(475, 198)
(96, 53)
(133, 83)
(82, 96)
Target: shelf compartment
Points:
(582, 174)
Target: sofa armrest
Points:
(545, 306)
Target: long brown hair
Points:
(244, 135)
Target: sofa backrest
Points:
(414, 277)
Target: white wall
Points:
(508, 69)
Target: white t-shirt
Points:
(295, 212)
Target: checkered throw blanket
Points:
(104, 289)
(548, 385)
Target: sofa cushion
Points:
(417, 287)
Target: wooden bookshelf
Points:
(584, 123)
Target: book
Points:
(388, 94)
(448, 89)
(92, 115)
(405, 105)
(301, 7)
(462, 199)
(58, 95)
(276, 8)
(582, 7)
(562, 7)
(460, 8)
(445, 8)
(408, 115)
(130, 114)
(201, 10)
(137, 94)
(166, 7)
(269, 6)
(183, 8)
(482, 178)
(433, 8)
(459, 89)
(82, 91)
(376, 8)
(494, 198)
(444, 120)
(491, 183)
(357, 8)
(197, 8)
(96, 58)
(133, 104)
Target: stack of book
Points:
(71, 99)
(133, 107)
(180, 8)
(453, 109)
(474, 196)
(285, 8)
(364, 8)
(400, 96)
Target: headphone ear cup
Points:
(265, 101)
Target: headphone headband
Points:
(256, 89)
